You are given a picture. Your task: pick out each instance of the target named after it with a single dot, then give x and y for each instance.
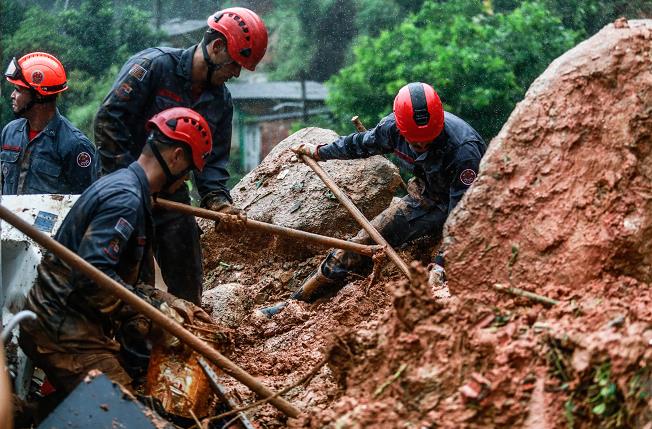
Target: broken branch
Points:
(390, 380)
(306, 378)
(530, 295)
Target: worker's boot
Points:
(311, 288)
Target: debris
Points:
(101, 403)
(530, 295)
(175, 378)
(389, 381)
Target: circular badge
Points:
(468, 176)
(84, 159)
(37, 76)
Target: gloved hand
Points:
(307, 149)
(189, 311)
(436, 276)
(164, 336)
(137, 326)
(224, 206)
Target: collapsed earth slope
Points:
(561, 208)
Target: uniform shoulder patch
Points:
(468, 176)
(123, 91)
(112, 250)
(84, 159)
(138, 72)
(124, 228)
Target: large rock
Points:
(227, 303)
(288, 193)
(564, 196)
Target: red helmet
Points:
(419, 113)
(245, 33)
(40, 71)
(186, 126)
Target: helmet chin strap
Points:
(170, 178)
(212, 67)
(36, 99)
(27, 108)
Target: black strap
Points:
(212, 67)
(420, 113)
(169, 177)
(54, 87)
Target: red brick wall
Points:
(271, 133)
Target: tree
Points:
(589, 16)
(91, 53)
(312, 37)
(481, 64)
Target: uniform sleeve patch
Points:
(84, 159)
(138, 72)
(113, 249)
(123, 91)
(468, 176)
(124, 228)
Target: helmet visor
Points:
(14, 71)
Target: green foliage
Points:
(313, 37)
(90, 53)
(589, 16)
(481, 64)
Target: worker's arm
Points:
(379, 140)
(104, 243)
(211, 182)
(121, 110)
(464, 170)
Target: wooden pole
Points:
(75, 262)
(358, 124)
(357, 214)
(270, 228)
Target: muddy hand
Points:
(237, 221)
(190, 311)
(307, 149)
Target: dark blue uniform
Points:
(109, 226)
(151, 81)
(60, 159)
(442, 175)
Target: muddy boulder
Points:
(564, 195)
(286, 192)
(227, 304)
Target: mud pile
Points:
(562, 209)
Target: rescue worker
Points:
(111, 227)
(159, 78)
(42, 152)
(442, 152)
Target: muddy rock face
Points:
(564, 197)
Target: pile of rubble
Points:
(561, 209)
